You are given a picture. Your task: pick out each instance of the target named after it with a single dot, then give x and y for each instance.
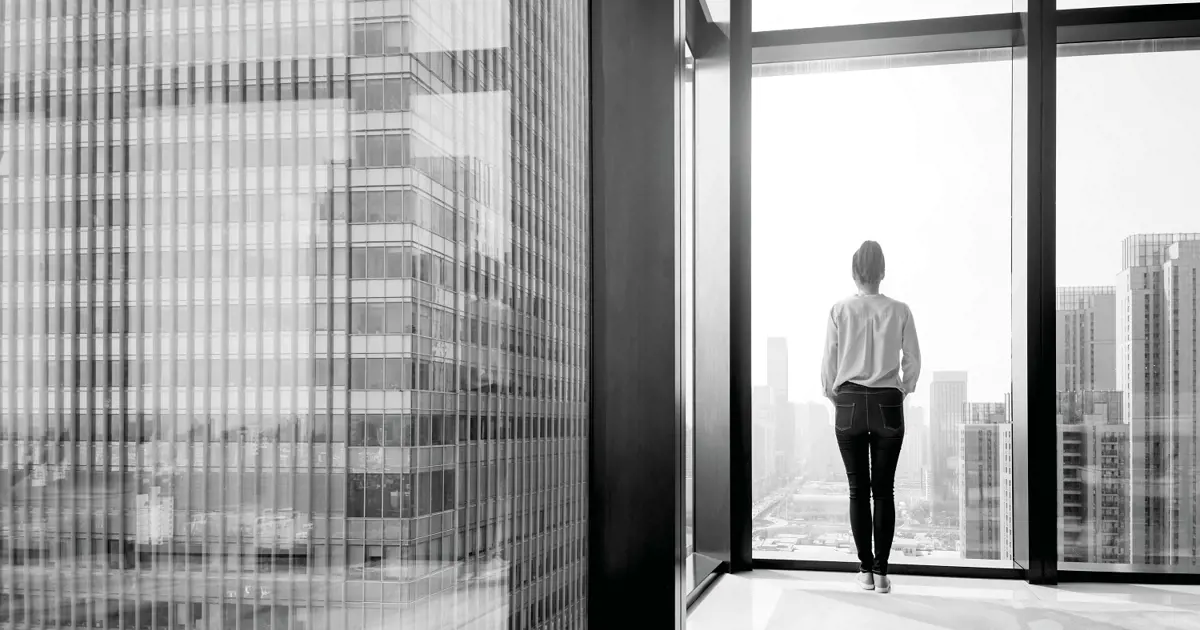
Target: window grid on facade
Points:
(224, 217)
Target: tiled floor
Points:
(778, 600)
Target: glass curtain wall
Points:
(1128, 264)
(914, 152)
(294, 327)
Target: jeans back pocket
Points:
(843, 419)
(893, 417)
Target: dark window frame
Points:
(1037, 33)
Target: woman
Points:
(866, 378)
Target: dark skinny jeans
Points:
(870, 423)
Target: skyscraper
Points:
(1156, 359)
(985, 509)
(1093, 442)
(1093, 482)
(948, 394)
(1086, 328)
(782, 412)
(913, 454)
(295, 319)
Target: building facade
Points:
(295, 314)
(985, 482)
(1094, 475)
(1156, 358)
(1094, 484)
(947, 395)
(1086, 329)
(784, 414)
(913, 455)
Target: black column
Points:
(636, 469)
(1035, 441)
(741, 475)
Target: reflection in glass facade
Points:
(294, 323)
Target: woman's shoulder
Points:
(899, 305)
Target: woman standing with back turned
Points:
(865, 377)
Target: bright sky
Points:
(787, 14)
(919, 159)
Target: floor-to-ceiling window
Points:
(1128, 264)
(294, 327)
(913, 152)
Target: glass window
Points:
(375, 207)
(772, 15)
(1128, 271)
(374, 95)
(374, 318)
(905, 151)
(374, 374)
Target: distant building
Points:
(948, 393)
(1093, 443)
(916, 446)
(1157, 296)
(784, 416)
(762, 442)
(816, 444)
(1085, 326)
(1093, 478)
(985, 482)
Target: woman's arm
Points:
(829, 359)
(910, 348)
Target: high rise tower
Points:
(1156, 360)
(782, 411)
(1093, 442)
(985, 485)
(948, 393)
(295, 327)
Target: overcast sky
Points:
(919, 159)
(787, 14)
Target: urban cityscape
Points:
(1126, 370)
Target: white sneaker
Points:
(866, 580)
(883, 584)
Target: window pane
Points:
(374, 318)
(1128, 268)
(917, 153)
(772, 15)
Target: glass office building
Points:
(295, 313)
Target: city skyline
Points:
(1124, 424)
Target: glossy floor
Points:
(775, 600)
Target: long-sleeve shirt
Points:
(866, 336)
